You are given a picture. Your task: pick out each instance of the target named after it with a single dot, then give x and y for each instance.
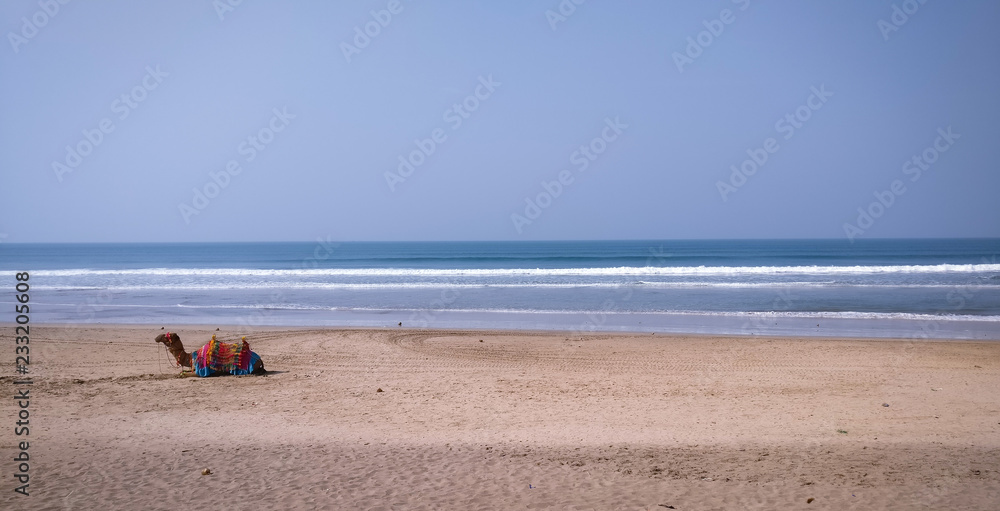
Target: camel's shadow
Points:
(190, 374)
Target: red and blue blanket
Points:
(224, 358)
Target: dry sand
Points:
(518, 421)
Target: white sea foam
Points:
(716, 314)
(539, 285)
(738, 314)
(535, 272)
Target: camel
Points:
(215, 357)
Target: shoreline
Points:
(589, 421)
(236, 330)
(748, 325)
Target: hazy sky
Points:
(491, 103)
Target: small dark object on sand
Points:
(810, 500)
(480, 340)
(668, 507)
(161, 328)
(400, 323)
(216, 329)
(380, 390)
(206, 472)
(885, 405)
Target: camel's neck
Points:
(183, 357)
(177, 350)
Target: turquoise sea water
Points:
(899, 288)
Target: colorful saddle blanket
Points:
(223, 358)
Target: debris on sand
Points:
(206, 471)
(380, 390)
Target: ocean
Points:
(927, 288)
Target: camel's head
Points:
(169, 339)
(173, 343)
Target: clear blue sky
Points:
(197, 86)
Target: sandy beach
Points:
(506, 420)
